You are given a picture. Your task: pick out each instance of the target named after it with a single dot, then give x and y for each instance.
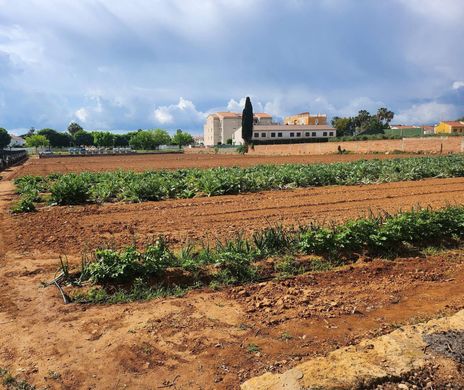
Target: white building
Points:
(221, 126)
(16, 141)
(279, 133)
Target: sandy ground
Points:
(46, 166)
(203, 340)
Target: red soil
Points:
(202, 340)
(46, 166)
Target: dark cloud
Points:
(122, 65)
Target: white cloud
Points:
(184, 113)
(426, 113)
(458, 84)
(81, 114)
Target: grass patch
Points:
(12, 383)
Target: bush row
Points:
(87, 187)
(238, 260)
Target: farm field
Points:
(67, 229)
(208, 339)
(140, 163)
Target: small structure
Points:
(220, 126)
(450, 127)
(305, 118)
(405, 131)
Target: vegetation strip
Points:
(71, 189)
(132, 274)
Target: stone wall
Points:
(411, 145)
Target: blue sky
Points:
(117, 64)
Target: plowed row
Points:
(140, 163)
(72, 229)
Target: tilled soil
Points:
(208, 339)
(46, 166)
(73, 229)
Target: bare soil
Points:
(208, 339)
(45, 166)
(72, 229)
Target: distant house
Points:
(16, 142)
(428, 130)
(220, 126)
(305, 118)
(450, 127)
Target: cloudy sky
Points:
(117, 64)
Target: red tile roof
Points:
(454, 123)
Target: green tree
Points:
(56, 138)
(385, 116)
(103, 138)
(36, 141)
(160, 137)
(73, 128)
(182, 138)
(344, 126)
(121, 140)
(5, 138)
(149, 139)
(83, 138)
(247, 121)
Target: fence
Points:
(11, 157)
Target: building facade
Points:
(286, 133)
(450, 127)
(221, 126)
(305, 118)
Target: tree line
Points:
(78, 137)
(364, 123)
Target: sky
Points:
(124, 65)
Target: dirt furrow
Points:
(70, 229)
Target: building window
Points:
(324, 134)
(263, 135)
(279, 135)
(314, 133)
(292, 134)
(272, 135)
(298, 134)
(307, 134)
(256, 135)
(331, 133)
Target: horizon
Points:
(168, 64)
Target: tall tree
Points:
(36, 141)
(73, 128)
(5, 138)
(385, 116)
(247, 121)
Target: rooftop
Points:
(454, 123)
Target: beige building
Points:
(221, 126)
(305, 118)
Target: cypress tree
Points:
(247, 121)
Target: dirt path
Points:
(206, 339)
(46, 166)
(72, 229)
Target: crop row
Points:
(293, 251)
(68, 189)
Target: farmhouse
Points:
(16, 142)
(286, 133)
(450, 127)
(220, 126)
